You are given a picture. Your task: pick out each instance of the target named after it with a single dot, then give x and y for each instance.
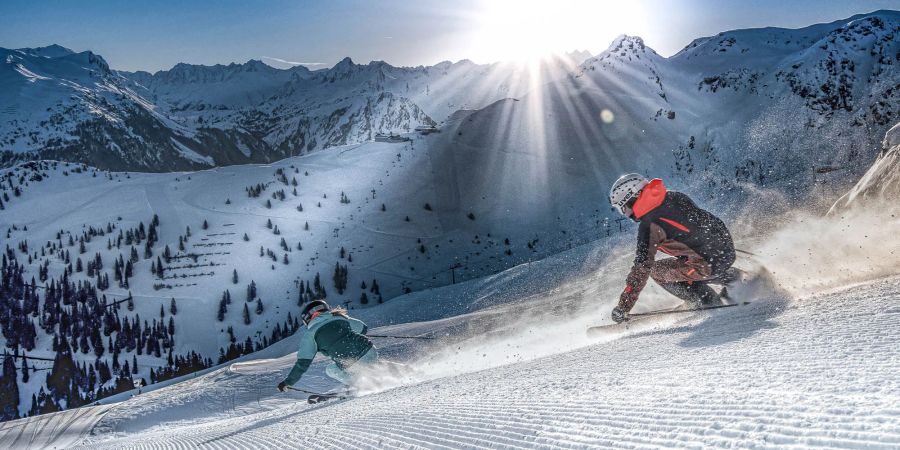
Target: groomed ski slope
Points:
(514, 369)
(811, 367)
(818, 371)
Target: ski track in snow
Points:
(815, 372)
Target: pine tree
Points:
(259, 306)
(205, 224)
(340, 278)
(251, 291)
(9, 390)
(134, 365)
(246, 238)
(25, 373)
(269, 223)
(59, 380)
(162, 312)
(222, 309)
(173, 308)
(246, 316)
(363, 299)
(234, 277)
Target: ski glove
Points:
(619, 315)
(282, 386)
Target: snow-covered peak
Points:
(765, 46)
(627, 64)
(877, 25)
(443, 65)
(579, 56)
(50, 51)
(345, 65)
(55, 60)
(625, 44)
(623, 50)
(87, 59)
(183, 73)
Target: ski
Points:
(635, 319)
(316, 397)
(319, 398)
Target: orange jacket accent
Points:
(675, 224)
(651, 196)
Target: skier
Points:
(670, 222)
(336, 335)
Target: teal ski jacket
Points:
(341, 339)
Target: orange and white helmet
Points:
(624, 190)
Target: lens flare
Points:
(607, 116)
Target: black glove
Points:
(619, 315)
(282, 386)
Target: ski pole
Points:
(745, 252)
(676, 311)
(400, 337)
(333, 394)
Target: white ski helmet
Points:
(624, 189)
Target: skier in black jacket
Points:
(670, 222)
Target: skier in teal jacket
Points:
(336, 335)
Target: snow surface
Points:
(811, 363)
(399, 254)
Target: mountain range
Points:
(59, 104)
(826, 92)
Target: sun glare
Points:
(528, 30)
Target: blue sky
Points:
(154, 35)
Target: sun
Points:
(528, 30)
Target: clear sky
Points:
(154, 35)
